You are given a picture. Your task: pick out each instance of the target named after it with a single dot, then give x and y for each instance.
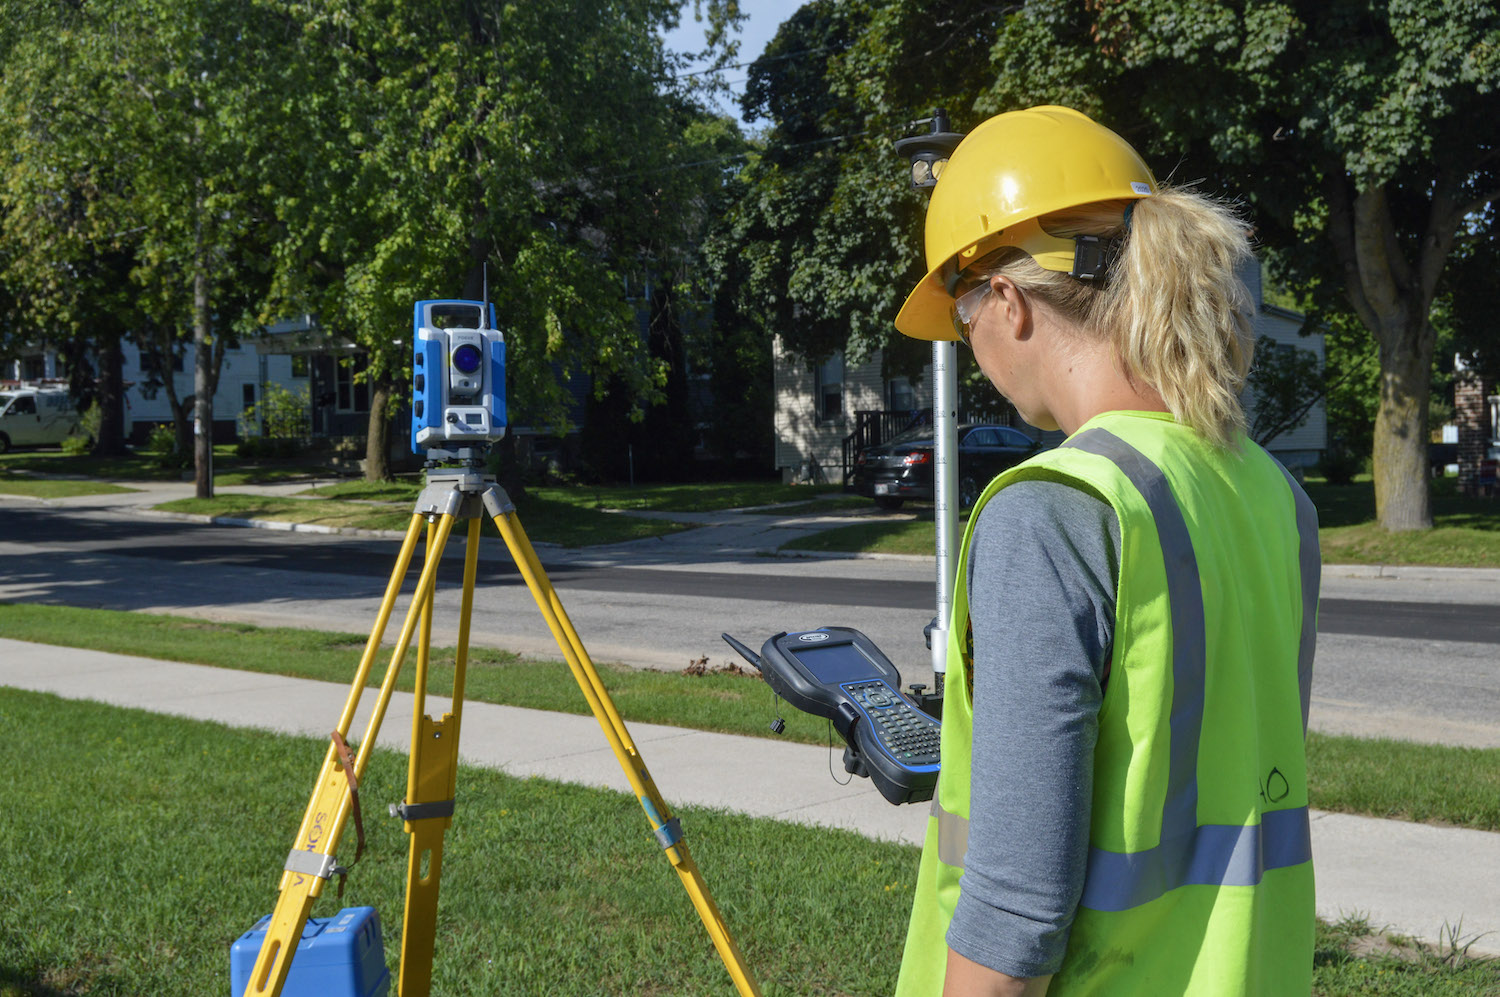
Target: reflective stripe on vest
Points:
(1311, 563)
(1213, 854)
(953, 835)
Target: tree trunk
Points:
(110, 397)
(1403, 498)
(1392, 299)
(377, 433)
(203, 391)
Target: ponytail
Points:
(1174, 305)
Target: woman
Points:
(1122, 807)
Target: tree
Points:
(65, 251)
(444, 136)
(192, 91)
(1349, 127)
(822, 240)
(166, 229)
(1352, 130)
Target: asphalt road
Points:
(183, 545)
(1404, 659)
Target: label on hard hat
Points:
(1143, 189)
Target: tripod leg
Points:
(310, 864)
(666, 827)
(427, 811)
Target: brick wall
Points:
(1471, 413)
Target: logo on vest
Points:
(1275, 788)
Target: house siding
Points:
(809, 448)
(1303, 446)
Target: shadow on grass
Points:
(16, 984)
(1354, 504)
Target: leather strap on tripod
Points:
(346, 759)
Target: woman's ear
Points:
(1012, 306)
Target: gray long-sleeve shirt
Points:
(1041, 579)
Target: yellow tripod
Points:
(427, 812)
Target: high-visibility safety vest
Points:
(1199, 877)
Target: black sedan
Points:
(901, 468)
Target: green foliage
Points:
(1285, 382)
(1340, 463)
(1348, 129)
(80, 442)
(162, 442)
(280, 414)
(473, 115)
(281, 157)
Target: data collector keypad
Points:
(911, 736)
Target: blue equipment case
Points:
(339, 956)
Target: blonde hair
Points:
(1174, 306)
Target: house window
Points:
(829, 387)
(151, 361)
(247, 396)
(352, 395)
(903, 398)
(33, 368)
(299, 364)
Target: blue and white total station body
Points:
(458, 375)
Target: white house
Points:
(243, 378)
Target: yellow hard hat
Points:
(1006, 174)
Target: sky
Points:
(765, 17)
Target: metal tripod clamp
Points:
(668, 832)
(314, 864)
(422, 811)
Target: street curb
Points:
(1413, 572)
(274, 524)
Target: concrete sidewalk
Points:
(1413, 879)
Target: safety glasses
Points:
(966, 309)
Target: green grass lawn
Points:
(545, 520)
(137, 847)
(140, 465)
(824, 506)
(1465, 533)
(45, 488)
(1380, 778)
(572, 517)
(712, 497)
(892, 533)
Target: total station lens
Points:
(467, 358)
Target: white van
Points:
(31, 417)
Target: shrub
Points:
(286, 418)
(162, 439)
(88, 431)
(162, 442)
(1339, 464)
